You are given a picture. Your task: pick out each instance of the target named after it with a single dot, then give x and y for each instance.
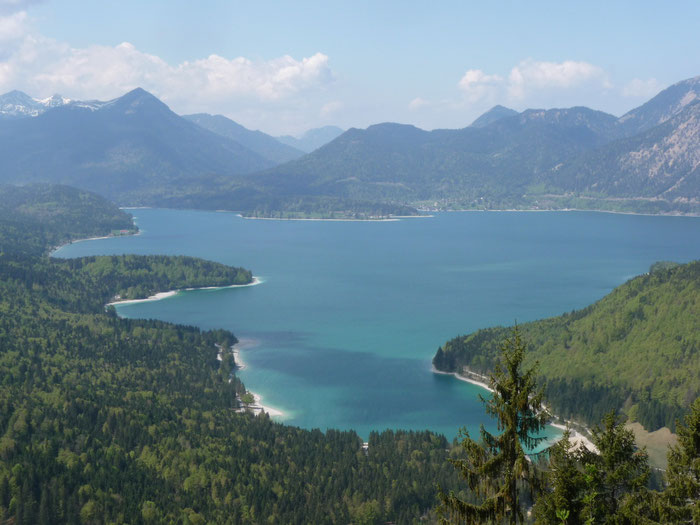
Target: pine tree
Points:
(497, 467)
(616, 476)
(565, 482)
(681, 499)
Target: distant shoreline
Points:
(393, 218)
(429, 211)
(75, 241)
(532, 210)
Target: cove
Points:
(342, 330)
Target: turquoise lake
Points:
(342, 331)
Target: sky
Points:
(285, 67)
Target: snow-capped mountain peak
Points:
(17, 104)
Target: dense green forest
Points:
(109, 420)
(38, 217)
(606, 482)
(112, 420)
(636, 350)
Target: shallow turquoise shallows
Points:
(342, 331)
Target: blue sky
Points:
(286, 67)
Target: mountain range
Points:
(118, 148)
(646, 160)
(17, 104)
(257, 141)
(136, 151)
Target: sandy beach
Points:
(54, 250)
(258, 406)
(478, 382)
(576, 437)
(170, 293)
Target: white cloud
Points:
(638, 88)
(104, 71)
(13, 27)
(43, 66)
(476, 84)
(532, 81)
(530, 75)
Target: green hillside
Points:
(41, 216)
(637, 349)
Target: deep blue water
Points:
(344, 326)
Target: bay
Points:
(342, 331)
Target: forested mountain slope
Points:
(402, 163)
(40, 216)
(637, 350)
(261, 143)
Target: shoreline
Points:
(389, 219)
(577, 439)
(171, 293)
(428, 210)
(258, 406)
(75, 241)
(531, 210)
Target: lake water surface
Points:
(342, 331)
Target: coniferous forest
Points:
(635, 350)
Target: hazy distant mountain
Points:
(404, 163)
(662, 107)
(135, 150)
(118, 148)
(538, 158)
(661, 162)
(17, 104)
(492, 115)
(312, 139)
(264, 145)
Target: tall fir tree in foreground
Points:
(617, 476)
(607, 485)
(497, 468)
(681, 499)
(563, 499)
